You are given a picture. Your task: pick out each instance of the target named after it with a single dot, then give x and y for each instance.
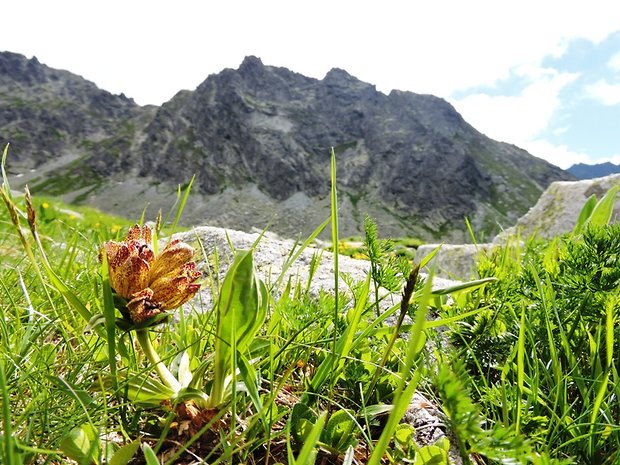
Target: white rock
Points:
(558, 208)
(270, 255)
(555, 213)
(453, 261)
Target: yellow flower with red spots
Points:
(150, 284)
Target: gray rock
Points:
(558, 208)
(430, 426)
(270, 255)
(453, 261)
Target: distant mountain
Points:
(583, 171)
(258, 139)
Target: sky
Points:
(543, 75)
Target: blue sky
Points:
(576, 93)
(543, 75)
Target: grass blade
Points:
(335, 241)
(407, 384)
(307, 454)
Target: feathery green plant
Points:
(540, 351)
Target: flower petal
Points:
(172, 291)
(171, 259)
(142, 307)
(129, 273)
(140, 233)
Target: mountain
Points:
(258, 139)
(583, 171)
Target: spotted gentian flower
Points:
(150, 284)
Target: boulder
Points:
(270, 256)
(555, 213)
(558, 208)
(453, 261)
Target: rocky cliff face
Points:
(45, 112)
(258, 139)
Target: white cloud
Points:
(426, 47)
(561, 130)
(559, 155)
(564, 157)
(520, 118)
(604, 92)
(614, 63)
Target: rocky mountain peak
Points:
(16, 68)
(339, 81)
(339, 75)
(251, 64)
(258, 139)
(47, 113)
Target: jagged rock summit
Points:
(258, 139)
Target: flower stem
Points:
(164, 374)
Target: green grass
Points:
(539, 352)
(524, 369)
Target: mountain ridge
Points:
(258, 138)
(598, 170)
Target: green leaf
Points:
(307, 454)
(373, 411)
(405, 435)
(82, 444)
(143, 391)
(469, 285)
(250, 380)
(430, 256)
(149, 455)
(199, 374)
(301, 420)
(338, 432)
(241, 311)
(584, 214)
(124, 455)
(242, 303)
(432, 455)
(601, 215)
(79, 394)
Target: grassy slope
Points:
(50, 359)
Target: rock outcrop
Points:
(454, 261)
(270, 255)
(557, 210)
(555, 213)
